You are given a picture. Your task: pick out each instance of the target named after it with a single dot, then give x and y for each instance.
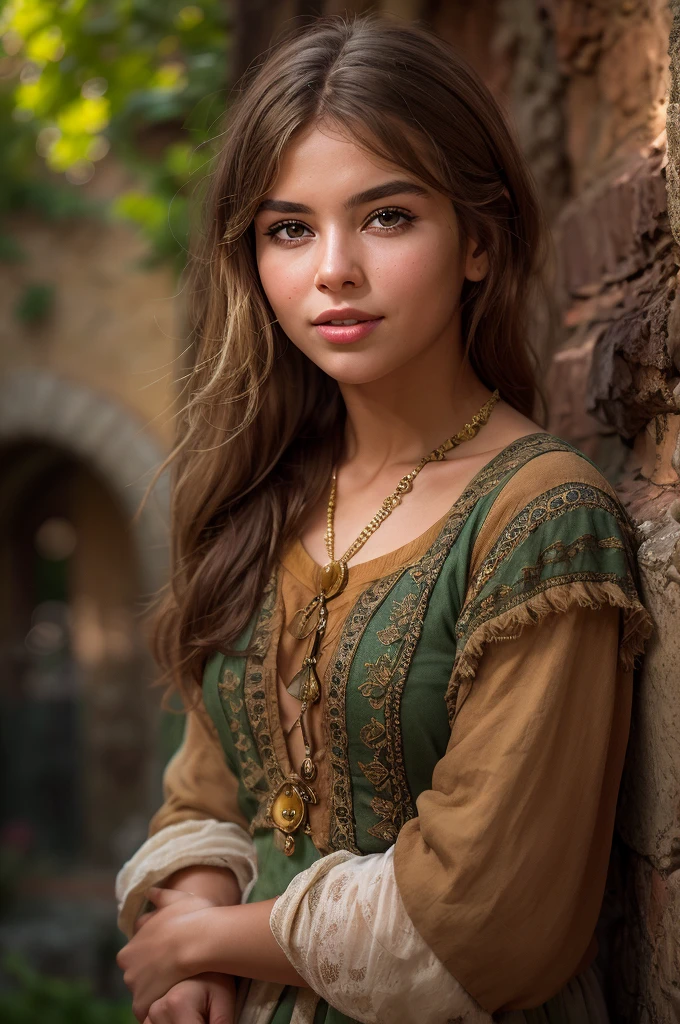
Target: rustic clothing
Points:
(476, 692)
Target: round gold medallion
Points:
(333, 578)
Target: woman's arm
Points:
(239, 940)
(200, 827)
(219, 885)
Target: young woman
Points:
(405, 730)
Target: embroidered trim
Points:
(255, 683)
(244, 701)
(228, 686)
(544, 508)
(393, 804)
(342, 830)
(400, 617)
(504, 612)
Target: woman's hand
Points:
(156, 958)
(205, 999)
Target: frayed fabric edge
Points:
(638, 626)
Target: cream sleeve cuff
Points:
(344, 928)
(185, 844)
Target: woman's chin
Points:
(358, 374)
(356, 367)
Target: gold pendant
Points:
(305, 620)
(288, 809)
(334, 578)
(305, 684)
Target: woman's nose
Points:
(338, 264)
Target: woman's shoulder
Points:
(556, 537)
(541, 479)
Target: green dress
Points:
(410, 642)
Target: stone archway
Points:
(71, 456)
(38, 405)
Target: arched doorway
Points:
(78, 561)
(75, 709)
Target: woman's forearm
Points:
(238, 940)
(213, 883)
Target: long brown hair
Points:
(262, 425)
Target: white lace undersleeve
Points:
(344, 927)
(185, 844)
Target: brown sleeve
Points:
(503, 870)
(197, 782)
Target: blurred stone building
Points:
(86, 400)
(592, 90)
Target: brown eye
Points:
(389, 218)
(294, 232)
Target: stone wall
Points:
(614, 390)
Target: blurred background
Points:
(108, 111)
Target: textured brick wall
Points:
(614, 387)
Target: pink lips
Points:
(344, 335)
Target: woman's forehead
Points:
(327, 164)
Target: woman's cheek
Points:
(281, 286)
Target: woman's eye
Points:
(390, 217)
(293, 229)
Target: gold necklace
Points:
(287, 807)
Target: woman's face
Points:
(343, 235)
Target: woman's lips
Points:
(343, 335)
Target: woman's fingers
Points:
(177, 1008)
(221, 1009)
(205, 999)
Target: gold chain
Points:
(394, 499)
(287, 808)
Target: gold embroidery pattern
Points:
(256, 706)
(400, 619)
(342, 827)
(250, 769)
(377, 681)
(388, 767)
(395, 805)
(545, 508)
(505, 597)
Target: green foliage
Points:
(144, 79)
(32, 997)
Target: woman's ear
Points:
(476, 261)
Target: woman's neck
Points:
(403, 416)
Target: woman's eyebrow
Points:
(369, 195)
